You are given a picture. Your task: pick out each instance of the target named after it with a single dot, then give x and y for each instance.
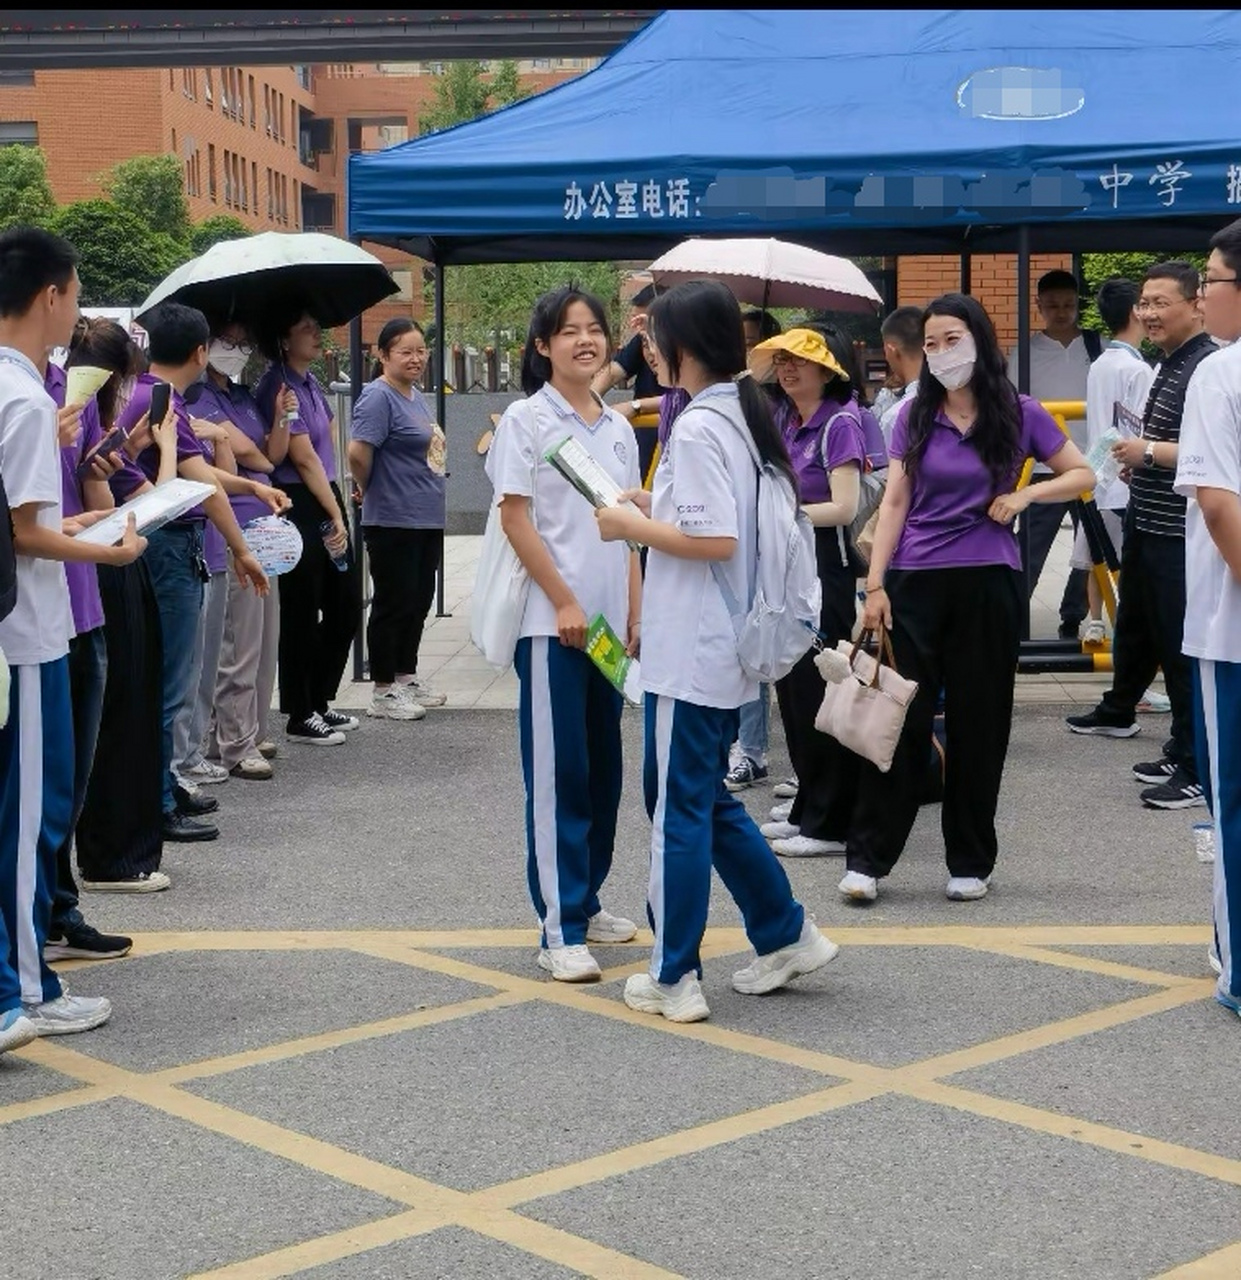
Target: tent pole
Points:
(441, 397)
(355, 390)
(1023, 386)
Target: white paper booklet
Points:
(576, 463)
(151, 509)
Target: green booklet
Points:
(607, 651)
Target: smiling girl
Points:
(569, 711)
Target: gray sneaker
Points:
(68, 1014)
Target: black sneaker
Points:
(745, 773)
(1093, 722)
(314, 732)
(1156, 772)
(194, 804)
(1177, 793)
(81, 941)
(338, 720)
(180, 828)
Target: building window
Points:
(542, 64)
(254, 183)
(228, 180)
(14, 79)
(267, 108)
(25, 132)
(172, 84)
(211, 170)
(280, 119)
(297, 207)
(174, 142)
(189, 83)
(251, 79)
(208, 88)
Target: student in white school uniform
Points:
(38, 310)
(703, 510)
(1208, 473)
(569, 712)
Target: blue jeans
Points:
(752, 736)
(173, 560)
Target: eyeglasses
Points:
(783, 358)
(1208, 280)
(1158, 304)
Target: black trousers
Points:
(1045, 521)
(319, 609)
(826, 771)
(959, 630)
(1150, 620)
(403, 564)
(120, 833)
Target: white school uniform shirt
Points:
(706, 484)
(1057, 372)
(1209, 455)
(1119, 375)
(597, 572)
(41, 625)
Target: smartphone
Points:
(161, 395)
(113, 440)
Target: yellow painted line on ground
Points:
(1086, 964)
(52, 1103)
(1088, 1132)
(573, 1252)
(1224, 1264)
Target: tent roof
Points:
(855, 131)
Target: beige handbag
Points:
(865, 711)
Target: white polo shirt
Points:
(706, 485)
(597, 572)
(1118, 376)
(41, 625)
(1057, 372)
(1209, 456)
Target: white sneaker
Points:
(780, 812)
(204, 773)
(143, 882)
(68, 1014)
(967, 888)
(785, 790)
(778, 968)
(859, 887)
(188, 785)
(16, 1029)
(806, 847)
(394, 703)
(570, 964)
(424, 695)
(779, 830)
(605, 927)
(253, 768)
(1094, 632)
(683, 1002)
(1154, 701)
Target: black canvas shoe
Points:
(81, 941)
(340, 721)
(313, 732)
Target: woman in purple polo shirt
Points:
(944, 578)
(319, 602)
(814, 409)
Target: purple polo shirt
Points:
(146, 464)
(314, 418)
(831, 437)
(83, 582)
(947, 526)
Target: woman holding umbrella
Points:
(318, 598)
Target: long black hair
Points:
(996, 433)
(103, 344)
(546, 321)
(702, 319)
(396, 328)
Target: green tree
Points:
(461, 93)
(506, 85)
(120, 258)
(25, 193)
(214, 230)
(152, 189)
(1097, 267)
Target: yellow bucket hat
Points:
(804, 343)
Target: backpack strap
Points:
(1093, 341)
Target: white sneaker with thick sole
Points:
(683, 1002)
(780, 812)
(779, 830)
(570, 964)
(807, 847)
(967, 888)
(605, 927)
(204, 773)
(785, 790)
(395, 704)
(15, 1030)
(1094, 632)
(424, 695)
(1153, 701)
(68, 1014)
(857, 886)
(778, 968)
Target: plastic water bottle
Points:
(327, 531)
(1204, 841)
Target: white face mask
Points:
(228, 359)
(955, 367)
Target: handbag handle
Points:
(884, 650)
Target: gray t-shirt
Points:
(405, 491)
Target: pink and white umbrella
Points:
(770, 273)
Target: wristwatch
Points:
(1148, 458)
(637, 408)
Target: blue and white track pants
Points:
(698, 824)
(36, 804)
(1217, 692)
(569, 721)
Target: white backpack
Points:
(782, 620)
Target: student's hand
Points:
(250, 573)
(165, 434)
(105, 465)
(1125, 475)
(131, 546)
(71, 526)
(216, 432)
(637, 322)
(877, 610)
(571, 626)
(634, 637)
(1008, 506)
(640, 498)
(1129, 451)
(338, 543)
(69, 425)
(286, 402)
(276, 499)
(617, 523)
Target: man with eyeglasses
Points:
(1208, 475)
(1151, 615)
